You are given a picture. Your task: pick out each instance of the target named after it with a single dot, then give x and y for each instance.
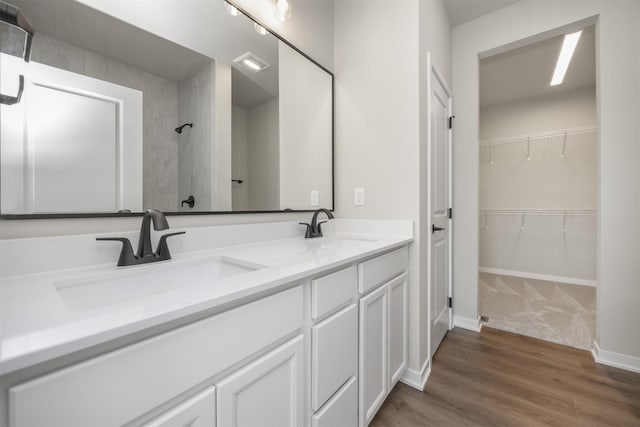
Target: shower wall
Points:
(195, 152)
(160, 112)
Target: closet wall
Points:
(545, 243)
(538, 195)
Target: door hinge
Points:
(450, 302)
(450, 213)
(451, 121)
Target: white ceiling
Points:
(246, 93)
(461, 11)
(525, 72)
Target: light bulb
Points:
(260, 29)
(282, 11)
(233, 11)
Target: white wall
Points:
(256, 157)
(380, 93)
(546, 180)
(263, 180)
(239, 157)
(617, 31)
(221, 161)
(572, 108)
(305, 131)
(311, 29)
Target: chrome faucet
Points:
(314, 229)
(145, 252)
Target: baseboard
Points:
(536, 276)
(467, 323)
(616, 360)
(416, 379)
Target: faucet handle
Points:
(319, 234)
(163, 248)
(308, 233)
(126, 253)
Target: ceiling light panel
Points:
(250, 62)
(564, 59)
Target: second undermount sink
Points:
(344, 242)
(103, 290)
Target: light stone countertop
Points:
(38, 323)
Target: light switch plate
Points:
(314, 198)
(358, 196)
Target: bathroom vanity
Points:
(268, 330)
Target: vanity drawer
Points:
(341, 409)
(200, 410)
(334, 357)
(119, 386)
(332, 291)
(379, 270)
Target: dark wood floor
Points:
(496, 378)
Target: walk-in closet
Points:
(538, 191)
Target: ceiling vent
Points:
(250, 62)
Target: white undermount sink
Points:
(134, 283)
(343, 242)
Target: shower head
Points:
(179, 128)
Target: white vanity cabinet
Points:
(124, 385)
(324, 352)
(383, 328)
(267, 392)
(200, 410)
(334, 349)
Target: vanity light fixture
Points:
(233, 11)
(282, 10)
(260, 29)
(250, 62)
(566, 53)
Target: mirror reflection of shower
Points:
(11, 16)
(179, 128)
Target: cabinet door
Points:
(373, 353)
(199, 411)
(268, 392)
(334, 357)
(397, 328)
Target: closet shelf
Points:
(553, 136)
(540, 212)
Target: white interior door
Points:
(439, 202)
(73, 144)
